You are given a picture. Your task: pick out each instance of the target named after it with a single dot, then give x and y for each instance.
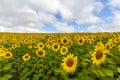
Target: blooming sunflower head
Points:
(69, 63)
(81, 41)
(63, 50)
(8, 55)
(98, 56)
(40, 53)
(55, 47)
(30, 47)
(26, 57)
(2, 53)
(64, 41)
(40, 45)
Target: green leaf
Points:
(107, 78)
(59, 70)
(108, 72)
(53, 78)
(118, 69)
(6, 77)
(100, 73)
(3, 78)
(36, 77)
(7, 66)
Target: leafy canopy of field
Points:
(68, 56)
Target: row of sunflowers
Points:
(60, 56)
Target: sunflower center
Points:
(7, 55)
(69, 62)
(26, 57)
(59, 41)
(64, 40)
(63, 50)
(40, 52)
(55, 46)
(41, 46)
(108, 47)
(99, 54)
(80, 40)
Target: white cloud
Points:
(64, 27)
(111, 27)
(114, 3)
(82, 10)
(32, 15)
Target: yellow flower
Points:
(40, 45)
(26, 57)
(64, 40)
(63, 50)
(55, 47)
(81, 41)
(2, 53)
(8, 55)
(40, 52)
(69, 63)
(98, 56)
(30, 47)
(17, 44)
(108, 46)
(14, 46)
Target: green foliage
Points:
(49, 67)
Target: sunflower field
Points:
(60, 56)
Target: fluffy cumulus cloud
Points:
(33, 15)
(113, 26)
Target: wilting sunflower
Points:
(55, 47)
(69, 63)
(40, 52)
(98, 56)
(8, 55)
(26, 57)
(63, 50)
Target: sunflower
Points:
(13, 46)
(40, 45)
(2, 53)
(81, 41)
(63, 50)
(8, 55)
(98, 56)
(70, 42)
(40, 52)
(30, 46)
(26, 57)
(69, 63)
(26, 41)
(64, 40)
(77, 37)
(17, 44)
(55, 47)
(108, 46)
(99, 44)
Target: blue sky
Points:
(59, 16)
